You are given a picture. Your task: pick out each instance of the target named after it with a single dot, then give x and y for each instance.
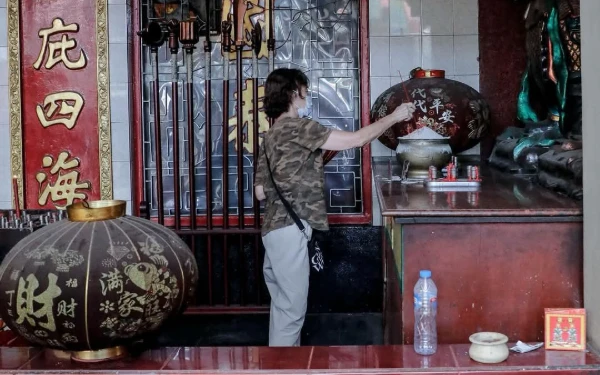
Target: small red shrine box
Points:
(564, 329)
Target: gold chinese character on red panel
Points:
(248, 110)
(59, 50)
(66, 187)
(60, 108)
(254, 14)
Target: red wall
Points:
(502, 62)
(494, 277)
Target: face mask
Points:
(306, 111)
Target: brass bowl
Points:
(423, 153)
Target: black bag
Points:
(315, 254)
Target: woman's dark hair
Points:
(279, 90)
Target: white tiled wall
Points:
(432, 34)
(119, 101)
(120, 79)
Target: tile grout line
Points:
(14, 338)
(453, 38)
(454, 357)
(389, 33)
(170, 358)
(39, 353)
(421, 34)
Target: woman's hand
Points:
(259, 192)
(403, 112)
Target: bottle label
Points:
(432, 300)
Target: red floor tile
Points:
(353, 357)
(527, 371)
(443, 358)
(240, 358)
(14, 358)
(390, 360)
(537, 359)
(152, 360)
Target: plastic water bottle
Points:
(425, 295)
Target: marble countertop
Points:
(500, 195)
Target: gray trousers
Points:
(287, 271)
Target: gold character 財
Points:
(31, 307)
(67, 308)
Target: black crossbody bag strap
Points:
(287, 204)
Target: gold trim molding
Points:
(104, 128)
(103, 105)
(14, 95)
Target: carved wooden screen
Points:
(322, 38)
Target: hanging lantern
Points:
(95, 282)
(450, 108)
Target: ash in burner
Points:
(424, 133)
(491, 341)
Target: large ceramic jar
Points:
(451, 108)
(95, 282)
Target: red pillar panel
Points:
(502, 61)
(59, 94)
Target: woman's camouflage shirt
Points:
(293, 147)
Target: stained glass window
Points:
(320, 37)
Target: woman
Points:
(293, 147)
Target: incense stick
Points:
(404, 87)
(407, 98)
(16, 196)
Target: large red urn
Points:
(450, 108)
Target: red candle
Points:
(16, 196)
